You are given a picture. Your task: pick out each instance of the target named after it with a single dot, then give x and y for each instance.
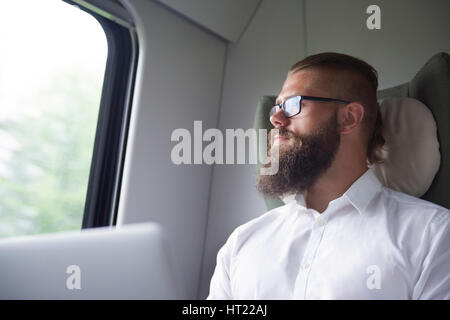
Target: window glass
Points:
(52, 64)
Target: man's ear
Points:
(350, 116)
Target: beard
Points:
(302, 160)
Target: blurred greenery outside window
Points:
(52, 65)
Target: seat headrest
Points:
(411, 156)
(431, 86)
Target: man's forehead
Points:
(320, 82)
(304, 82)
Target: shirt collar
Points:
(363, 190)
(360, 193)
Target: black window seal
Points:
(105, 176)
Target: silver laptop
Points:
(129, 262)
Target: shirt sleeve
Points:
(434, 279)
(220, 286)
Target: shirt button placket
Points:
(300, 290)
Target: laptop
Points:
(127, 262)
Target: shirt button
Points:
(320, 223)
(305, 266)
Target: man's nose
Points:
(279, 119)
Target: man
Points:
(345, 236)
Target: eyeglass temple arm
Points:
(324, 99)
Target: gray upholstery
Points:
(431, 85)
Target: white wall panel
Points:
(179, 80)
(226, 18)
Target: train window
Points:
(58, 78)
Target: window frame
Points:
(108, 157)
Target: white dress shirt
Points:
(370, 243)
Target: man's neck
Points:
(332, 184)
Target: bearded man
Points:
(345, 236)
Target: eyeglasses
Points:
(293, 105)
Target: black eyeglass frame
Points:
(300, 98)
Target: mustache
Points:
(283, 132)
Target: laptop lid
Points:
(128, 262)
